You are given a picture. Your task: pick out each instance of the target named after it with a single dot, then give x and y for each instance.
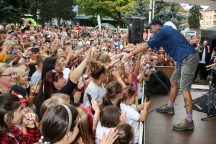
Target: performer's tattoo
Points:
(186, 105)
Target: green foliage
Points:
(60, 9)
(105, 8)
(139, 8)
(195, 17)
(170, 12)
(163, 11)
(11, 11)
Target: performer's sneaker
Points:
(184, 125)
(165, 109)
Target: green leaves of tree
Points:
(11, 11)
(195, 17)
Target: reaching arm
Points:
(75, 75)
(140, 48)
(136, 71)
(145, 110)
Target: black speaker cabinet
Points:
(159, 83)
(162, 76)
(136, 28)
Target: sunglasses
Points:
(26, 58)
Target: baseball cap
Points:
(15, 34)
(19, 90)
(21, 97)
(153, 22)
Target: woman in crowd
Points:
(22, 79)
(114, 92)
(59, 124)
(88, 123)
(12, 114)
(65, 71)
(95, 53)
(7, 78)
(56, 83)
(95, 87)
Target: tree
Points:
(195, 17)
(139, 8)
(12, 11)
(60, 9)
(104, 8)
(170, 12)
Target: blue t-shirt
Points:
(173, 42)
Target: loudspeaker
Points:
(136, 28)
(158, 83)
(162, 76)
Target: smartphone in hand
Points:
(89, 98)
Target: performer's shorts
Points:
(184, 74)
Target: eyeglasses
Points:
(11, 74)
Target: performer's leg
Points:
(173, 91)
(189, 66)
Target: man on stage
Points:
(187, 59)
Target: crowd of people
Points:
(72, 85)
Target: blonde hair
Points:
(32, 38)
(19, 72)
(65, 97)
(93, 50)
(47, 104)
(3, 66)
(84, 136)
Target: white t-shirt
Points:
(99, 132)
(95, 91)
(66, 73)
(35, 77)
(132, 117)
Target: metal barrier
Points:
(142, 124)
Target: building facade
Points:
(208, 18)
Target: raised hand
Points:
(110, 137)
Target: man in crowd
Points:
(186, 57)
(116, 42)
(204, 55)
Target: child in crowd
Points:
(132, 111)
(125, 134)
(110, 117)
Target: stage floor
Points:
(158, 126)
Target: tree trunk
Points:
(43, 21)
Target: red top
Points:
(33, 136)
(78, 28)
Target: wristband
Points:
(32, 96)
